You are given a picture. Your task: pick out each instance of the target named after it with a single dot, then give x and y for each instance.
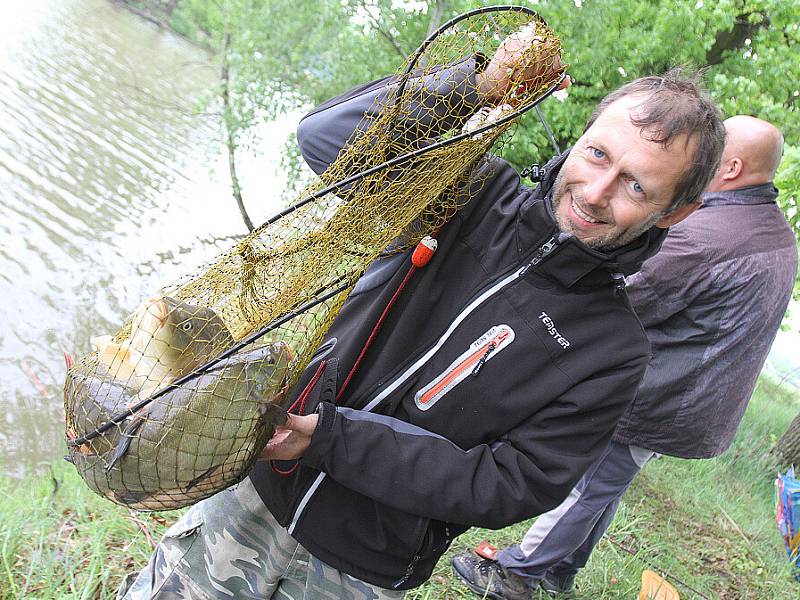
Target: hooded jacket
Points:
(495, 381)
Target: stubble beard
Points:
(609, 241)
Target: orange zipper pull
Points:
(424, 251)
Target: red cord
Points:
(385, 312)
(375, 329)
(301, 403)
(286, 473)
(301, 399)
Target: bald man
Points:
(711, 302)
(751, 156)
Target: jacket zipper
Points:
(503, 281)
(540, 254)
(472, 362)
(491, 348)
(409, 570)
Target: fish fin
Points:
(69, 459)
(117, 360)
(113, 354)
(125, 441)
(200, 477)
(68, 359)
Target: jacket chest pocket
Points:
(467, 365)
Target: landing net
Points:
(150, 423)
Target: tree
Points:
(746, 46)
(277, 57)
(788, 182)
(787, 448)
(280, 58)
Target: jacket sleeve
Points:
(670, 280)
(525, 473)
(438, 102)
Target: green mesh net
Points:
(180, 402)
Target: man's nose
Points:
(599, 191)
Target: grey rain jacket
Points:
(711, 302)
(423, 444)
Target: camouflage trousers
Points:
(230, 546)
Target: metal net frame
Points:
(180, 402)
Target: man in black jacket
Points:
(496, 379)
(711, 302)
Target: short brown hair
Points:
(673, 104)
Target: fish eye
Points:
(187, 326)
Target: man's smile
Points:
(583, 218)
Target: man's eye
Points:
(635, 187)
(597, 153)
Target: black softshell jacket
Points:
(424, 443)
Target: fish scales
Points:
(195, 439)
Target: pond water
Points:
(111, 186)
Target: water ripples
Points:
(106, 194)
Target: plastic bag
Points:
(787, 515)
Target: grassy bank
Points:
(710, 524)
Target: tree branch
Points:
(230, 139)
(742, 29)
(436, 16)
(384, 33)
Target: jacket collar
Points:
(573, 262)
(764, 193)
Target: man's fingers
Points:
(281, 433)
(303, 424)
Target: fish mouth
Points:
(159, 309)
(154, 313)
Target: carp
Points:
(168, 339)
(195, 439)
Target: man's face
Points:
(615, 184)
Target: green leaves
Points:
(285, 55)
(787, 180)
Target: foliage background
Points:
(281, 55)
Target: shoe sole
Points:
(484, 593)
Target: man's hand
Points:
(523, 60)
(291, 440)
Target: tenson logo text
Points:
(551, 329)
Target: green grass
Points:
(710, 524)
(59, 540)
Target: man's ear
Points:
(733, 168)
(679, 214)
